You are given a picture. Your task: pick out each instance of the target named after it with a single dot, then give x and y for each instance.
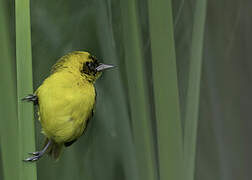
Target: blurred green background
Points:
(177, 107)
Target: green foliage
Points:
(25, 126)
(147, 111)
(193, 90)
(8, 112)
(165, 87)
(139, 106)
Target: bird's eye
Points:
(90, 66)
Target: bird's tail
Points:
(54, 150)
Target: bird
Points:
(66, 101)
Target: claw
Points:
(32, 159)
(36, 156)
(31, 98)
(35, 153)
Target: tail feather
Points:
(55, 149)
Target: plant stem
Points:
(193, 91)
(138, 94)
(165, 90)
(26, 132)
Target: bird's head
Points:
(82, 63)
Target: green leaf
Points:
(8, 111)
(193, 90)
(138, 94)
(165, 87)
(26, 132)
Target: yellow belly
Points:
(65, 104)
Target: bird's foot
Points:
(35, 156)
(38, 154)
(31, 98)
(35, 153)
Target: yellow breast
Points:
(66, 101)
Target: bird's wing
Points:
(86, 125)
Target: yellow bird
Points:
(66, 101)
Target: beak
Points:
(103, 67)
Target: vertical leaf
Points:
(193, 91)
(138, 94)
(8, 111)
(24, 86)
(165, 90)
